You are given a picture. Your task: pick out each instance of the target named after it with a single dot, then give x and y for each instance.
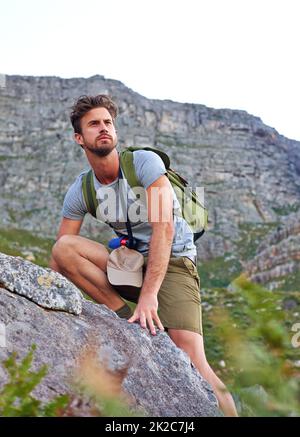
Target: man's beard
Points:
(102, 151)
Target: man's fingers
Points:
(140, 316)
(147, 321)
(133, 318)
(143, 320)
(158, 323)
(154, 318)
(151, 325)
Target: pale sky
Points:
(237, 54)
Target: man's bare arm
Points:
(160, 216)
(67, 226)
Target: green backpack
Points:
(193, 211)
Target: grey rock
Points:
(160, 379)
(43, 286)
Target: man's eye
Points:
(108, 122)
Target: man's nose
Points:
(102, 127)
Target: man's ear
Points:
(79, 139)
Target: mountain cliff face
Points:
(250, 173)
(278, 256)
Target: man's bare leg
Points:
(83, 262)
(192, 344)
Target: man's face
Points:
(98, 134)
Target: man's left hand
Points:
(146, 313)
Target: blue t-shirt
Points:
(148, 167)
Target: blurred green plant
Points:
(15, 396)
(257, 352)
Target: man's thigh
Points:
(88, 249)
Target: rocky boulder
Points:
(40, 306)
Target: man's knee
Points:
(182, 338)
(65, 242)
(187, 341)
(62, 248)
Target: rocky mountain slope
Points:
(251, 174)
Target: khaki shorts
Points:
(179, 301)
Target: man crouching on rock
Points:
(171, 285)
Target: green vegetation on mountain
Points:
(18, 242)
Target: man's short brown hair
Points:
(85, 103)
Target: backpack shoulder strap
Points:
(163, 155)
(127, 165)
(89, 192)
